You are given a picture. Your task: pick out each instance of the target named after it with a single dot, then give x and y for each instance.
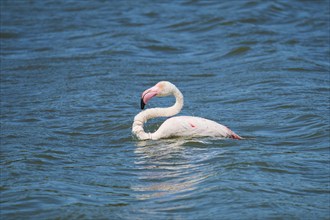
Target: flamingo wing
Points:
(187, 126)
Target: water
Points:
(71, 77)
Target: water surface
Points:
(71, 77)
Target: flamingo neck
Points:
(147, 114)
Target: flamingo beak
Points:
(147, 95)
(142, 104)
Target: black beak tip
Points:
(142, 104)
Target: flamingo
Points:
(179, 126)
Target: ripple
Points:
(9, 35)
(203, 75)
(159, 48)
(237, 52)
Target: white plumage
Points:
(180, 126)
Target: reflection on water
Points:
(162, 175)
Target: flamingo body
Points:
(188, 126)
(179, 126)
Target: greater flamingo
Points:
(179, 126)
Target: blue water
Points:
(72, 73)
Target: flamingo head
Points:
(161, 89)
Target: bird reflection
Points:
(167, 168)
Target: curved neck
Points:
(145, 115)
